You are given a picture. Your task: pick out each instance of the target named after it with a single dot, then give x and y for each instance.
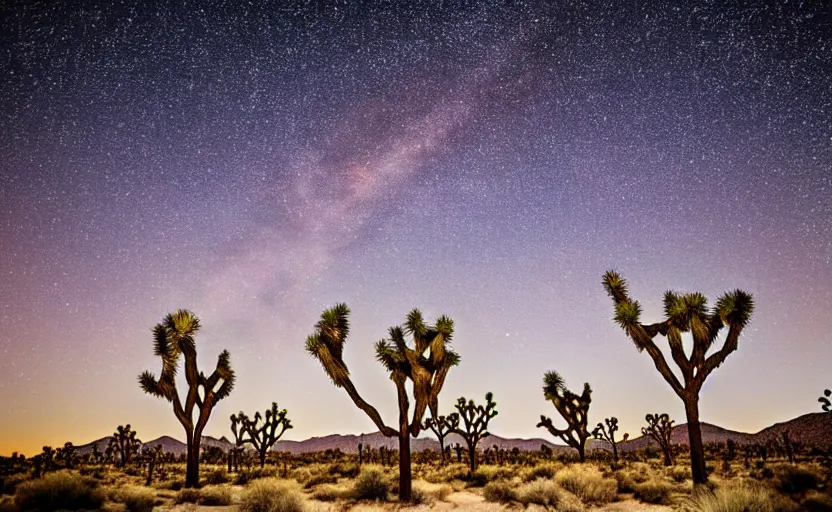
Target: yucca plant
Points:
(172, 339)
(261, 437)
(685, 313)
(425, 363)
(660, 428)
(572, 407)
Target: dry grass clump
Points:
(677, 473)
(8, 484)
(61, 490)
(346, 470)
(372, 484)
(588, 484)
(135, 498)
(545, 470)
(738, 498)
(187, 496)
(655, 492)
(271, 495)
(794, 479)
(328, 492)
(817, 502)
(485, 474)
(499, 492)
(319, 479)
(446, 474)
(426, 492)
(215, 495)
(215, 477)
(543, 492)
(7, 504)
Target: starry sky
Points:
(260, 162)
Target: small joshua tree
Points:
(174, 337)
(475, 420)
(441, 429)
(660, 428)
(426, 365)
(67, 455)
(47, 455)
(125, 443)
(608, 434)
(263, 437)
(572, 407)
(826, 404)
(685, 313)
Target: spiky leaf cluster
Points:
(424, 360)
(572, 407)
(173, 338)
(685, 313)
(826, 405)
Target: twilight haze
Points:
(484, 160)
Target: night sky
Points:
(485, 160)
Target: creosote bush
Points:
(61, 490)
(215, 495)
(793, 479)
(269, 495)
(540, 471)
(371, 484)
(136, 499)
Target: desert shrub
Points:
(740, 498)
(8, 484)
(426, 493)
(625, 481)
(499, 492)
(541, 471)
(346, 470)
(246, 476)
(656, 492)
(7, 504)
(792, 479)
(817, 502)
(59, 491)
(320, 479)
(447, 474)
(301, 475)
(136, 499)
(588, 484)
(327, 493)
(486, 474)
(215, 495)
(543, 492)
(371, 484)
(678, 473)
(187, 496)
(268, 495)
(215, 477)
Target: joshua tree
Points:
(47, 456)
(572, 407)
(262, 438)
(608, 434)
(660, 428)
(125, 443)
(67, 455)
(174, 337)
(685, 313)
(826, 405)
(427, 372)
(440, 427)
(475, 420)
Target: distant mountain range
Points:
(813, 428)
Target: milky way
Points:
(484, 160)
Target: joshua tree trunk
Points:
(405, 483)
(697, 449)
(472, 457)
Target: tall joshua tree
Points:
(264, 436)
(426, 365)
(475, 420)
(172, 338)
(572, 407)
(685, 313)
(607, 433)
(660, 428)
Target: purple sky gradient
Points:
(481, 160)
